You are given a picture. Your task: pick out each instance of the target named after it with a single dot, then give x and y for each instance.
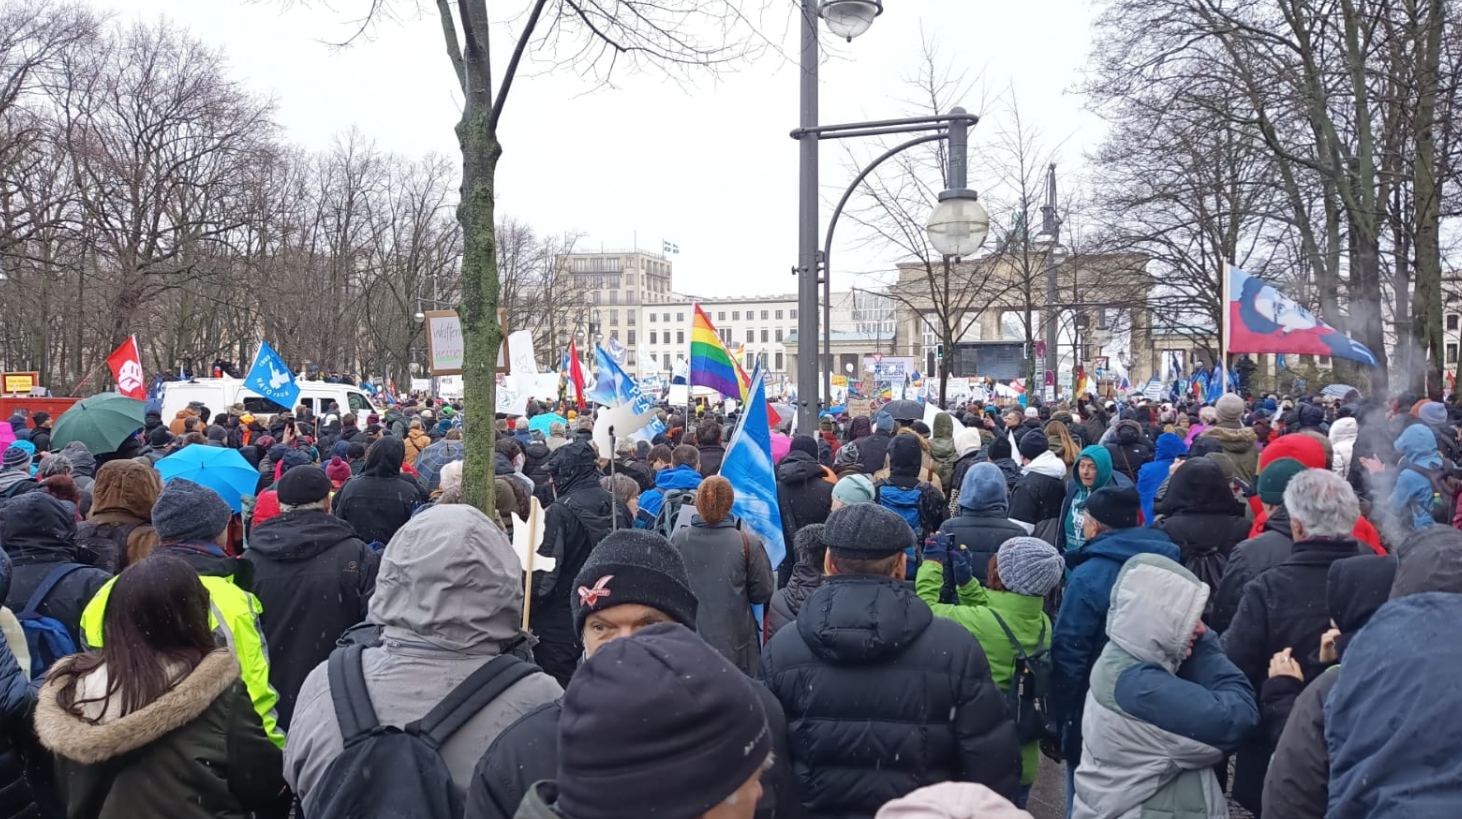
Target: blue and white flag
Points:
(564, 362)
(617, 351)
(747, 464)
(272, 378)
(614, 386)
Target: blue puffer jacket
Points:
(1080, 632)
(680, 477)
(1391, 725)
(1150, 477)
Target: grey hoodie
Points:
(449, 597)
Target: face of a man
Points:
(1086, 469)
(1013, 419)
(1089, 528)
(607, 625)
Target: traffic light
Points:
(939, 352)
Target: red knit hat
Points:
(1302, 448)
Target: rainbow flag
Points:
(711, 364)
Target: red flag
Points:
(126, 364)
(576, 374)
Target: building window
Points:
(794, 315)
(750, 336)
(653, 337)
(764, 335)
(614, 297)
(736, 315)
(652, 318)
(779, 338)
(631, 338)
(629, 317)
(1451, 353)
(679, 336)
(779, 318)
(1452, 322)
(594, 297)
(764, 315)
(720, 315)
(614, 317)
(680, 317)
(665, 317)
(725, 335)
(667, 361)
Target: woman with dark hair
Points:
(380, 500)
(158, 723)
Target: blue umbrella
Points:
(542, 421)
(223, 470)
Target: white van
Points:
(218, 394)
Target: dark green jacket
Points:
(197, 752)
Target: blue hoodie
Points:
(1413, 492)
(1170, 447)
(1081, 628)
(680, 477)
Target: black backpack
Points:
(1445, 488)
(1030, 688)
(385, 772)
(670, 510)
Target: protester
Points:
(873, 449)
(119, 531)
(192, 523)
(429, 464)
(15, 477)
(851, 489)
(983, 522)
(708, 441)
(1004, 612)
(647, 584)
(1200, 514)
(1152, 478)
(1207, 418)
(999, 454)
(314, 578)
(581, 516)
(804, 494)
(1410, 502)
(810, 552)
(696, 740)
(729, 572)
(918, 502)
(677, 485)
(1110, 537)
(967, 445)
(1271, 547)
(380, 500)
(842, 676)
(1239, 456)
(951, 800)
(1040, 491)
(22, 797)
(38, 533)
(942, 449)
(1342, 444)
(1093, 472)
(415, 440)
(1129, 449)
(158, 723)
(448, 599)
(1164, 704)
(1062, 445)
(1296, 783)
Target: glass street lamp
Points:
(849, 18)
(959, 224)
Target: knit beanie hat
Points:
(1032, 444)
(1000, 448)
(883, 422)
(159, 437)
(189, 511)
(853, 489)
(340, 449)
(1302, 448)
(713, 499)
(1113, 506)
(633, 566)
(1029, 566)
(302, 486)
(217, 434)
(1230, 408)
(659, 721)
(1276, 477)
(15, 459)
(809, 546)
(1433, 412)
(826, 424)
(338, 470)
(905, 455)
(867, 531)
(804, 443)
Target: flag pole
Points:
(1223, 322)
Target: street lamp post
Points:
(959, 219)
(1051, 227)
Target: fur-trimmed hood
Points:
(1233, 440)
(74, 738)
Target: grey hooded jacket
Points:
(449, 597)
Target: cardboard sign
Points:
(447, 347)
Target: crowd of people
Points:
(1175, 605)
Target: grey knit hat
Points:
(867, 531)
(1230, 408)
(189, 511)
(1029, 566)
(15, 459)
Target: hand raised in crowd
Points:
(1327, 646)
(1373, 465)
(1283, 665)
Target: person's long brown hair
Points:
(156, 617)
(1057, 431)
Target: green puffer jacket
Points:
(976, 612)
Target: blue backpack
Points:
(904, 503)
(47, 638)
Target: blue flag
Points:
(747, 464)
(272, 378)
(615, 386)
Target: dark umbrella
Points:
(904, 410)
(102, 422)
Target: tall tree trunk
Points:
(1427, 303)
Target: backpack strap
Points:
(1009, 635)
(38, 596)
(353, 709)
(480, 688)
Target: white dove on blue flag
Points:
(747, 464)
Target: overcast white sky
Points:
(709, 168)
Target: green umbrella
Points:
(102, 422)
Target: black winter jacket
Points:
(883, 698)
(1297, 781)
(873, 451)
(981, 533)
(1129, 449)
(788, 600)
(17, 798)
(802, 493)
(314, 579)
(1200, 514)
(711, 459)
(1037, 497)
(38, 532)
(377, 505)
(527, 751)
(1248, 560)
